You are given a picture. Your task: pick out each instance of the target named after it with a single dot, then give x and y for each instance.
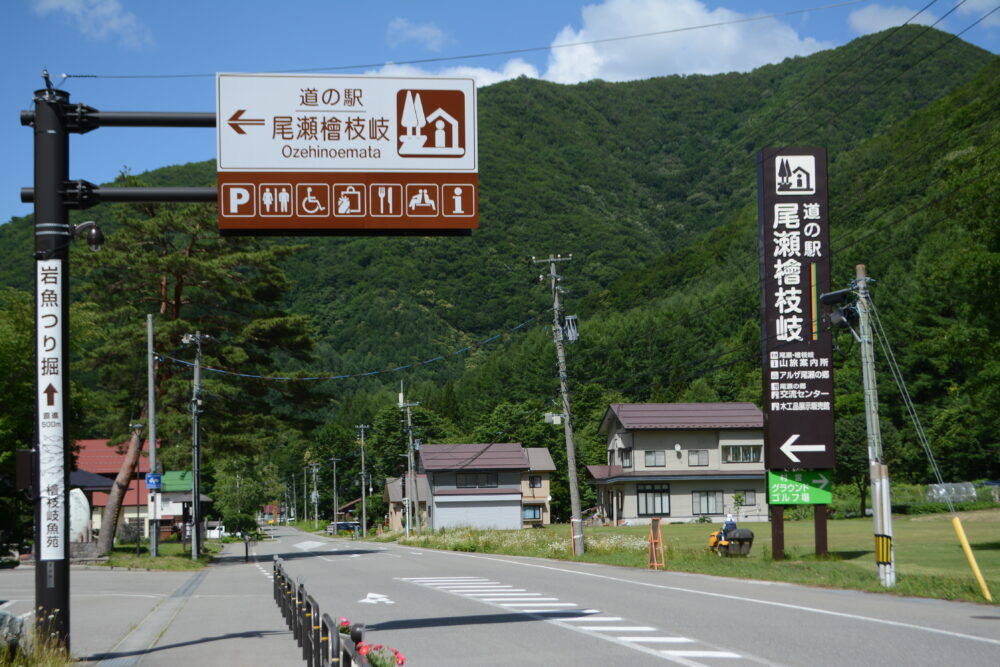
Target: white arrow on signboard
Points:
(821, 482)
(790, 448)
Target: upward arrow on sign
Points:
(50, 394)
(789, 449)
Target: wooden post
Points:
(820, 524)
(778, 532)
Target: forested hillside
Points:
(651, 186)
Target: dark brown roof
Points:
(481, 491)
(617, 473)
(394, 489)
(493, 456)
(638, 416)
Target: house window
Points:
(749, 497)
(698, 457)
(741, 454)
(626, 454)
(654, 499)
(532, 512)
(534, 481)
(476, 480)
(706, 502)
(656, 458)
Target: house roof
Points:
(605, 474)
(491, 456)
(88, 481)
(682, 416)
(100, 457)
(540, 459)
(394, 489)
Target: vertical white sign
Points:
(51, 416)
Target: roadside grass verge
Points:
(929, 559)
(171, 556)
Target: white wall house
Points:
(681, 461)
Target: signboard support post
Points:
(822, 548)
(52, 238)
(777, 532)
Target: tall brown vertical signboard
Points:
(796, 347)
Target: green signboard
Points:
(805, 487)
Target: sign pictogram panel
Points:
(378, 153)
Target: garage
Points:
(502, 511)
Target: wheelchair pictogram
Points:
(312, 199)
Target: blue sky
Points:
(144, 40)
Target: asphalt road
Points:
(445, 608)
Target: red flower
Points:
(399, 658)
(363, 648)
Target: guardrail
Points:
(317, 633)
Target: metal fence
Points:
(317, 633)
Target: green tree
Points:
(169, 260)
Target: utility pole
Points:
(295, 501)
(154, 513)
(878, 469)
(305, 495)
(576, 521)
(197, 339)
(412, 495)
(364, 501)
(315, 496)
(336, 500)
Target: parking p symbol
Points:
(238, 199)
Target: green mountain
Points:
(651, 187)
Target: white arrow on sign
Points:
(790, 448)
(375, 598)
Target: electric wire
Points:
(292, 378)
(897, 375)
(487, 54)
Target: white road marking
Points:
(621, 628)
(538, 604)
(701, 654)
(308, 546)
(657, 640)
(596, 618)
(375, 598)
(740, 598)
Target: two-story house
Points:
(682, 461)
(496, 485)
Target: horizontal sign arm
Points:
(81, 194)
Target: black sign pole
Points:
(52, 236)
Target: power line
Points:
(290, 378)
(486, 54)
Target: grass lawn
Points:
(171, 556)
(929, 559)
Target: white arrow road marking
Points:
(375, 598)
(789, 448)
(308, 546)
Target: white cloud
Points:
(724, 48)
(874, 18)
(401, 30)
(977, 8)
(99, 19)
(483, 76)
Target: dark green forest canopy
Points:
(651, 186)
